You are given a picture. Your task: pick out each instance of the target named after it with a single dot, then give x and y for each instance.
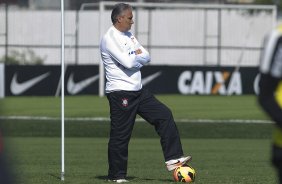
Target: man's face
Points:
(126, 20)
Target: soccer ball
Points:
(184, 173)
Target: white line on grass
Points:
(99, 119)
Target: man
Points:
(271, 76)
(123, 56)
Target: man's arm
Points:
(123, 53)
(142, 55)
(266, 98)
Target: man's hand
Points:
(138, 51)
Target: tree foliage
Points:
(270, 2)
(26, 57)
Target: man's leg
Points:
(277, 151)
(123, 112)
(160, 116)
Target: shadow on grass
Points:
(137, 179)
(55, 176)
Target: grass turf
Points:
(191, 107)
(224, 153)
(183, 107)
(44, 128)
(217, 161)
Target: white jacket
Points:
(122, 56)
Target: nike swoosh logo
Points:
(18, 88)
(75, 87)
(150, 78)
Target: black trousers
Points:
(124, 106)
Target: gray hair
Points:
(118, 10)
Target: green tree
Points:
(270, 2)
(26, 57)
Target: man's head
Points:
(122, 17)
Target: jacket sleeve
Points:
(122, 52)
(142, 55)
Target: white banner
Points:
(2, 80)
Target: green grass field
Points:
(217, 161)
(224, 152)
(192, 107)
